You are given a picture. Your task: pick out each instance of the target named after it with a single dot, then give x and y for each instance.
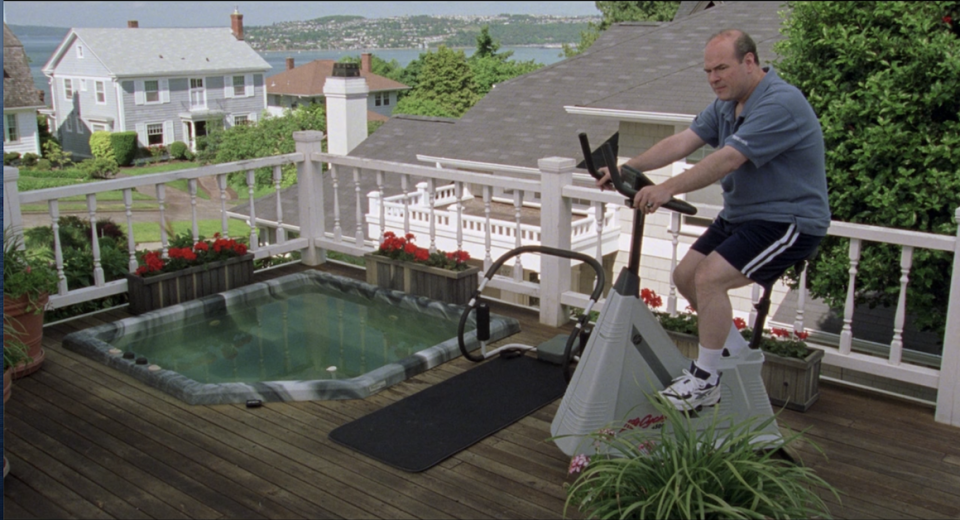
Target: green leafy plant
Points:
(178, 150)
(15, 351)
(11, 158)
(403, 249)
(29, 160)
(53, 153)
(99, 168)
(25, 273)
(678, 471)
(124, 146)
(100, 145)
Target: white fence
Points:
(434, 208)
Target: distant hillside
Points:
(38, 31)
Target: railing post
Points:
(310, 195)
(556, 215)
(11, 201)
(948, 392)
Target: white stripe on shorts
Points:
(771, 252)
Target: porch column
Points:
(556, 214)
(948, 391)
(310, 195)
(11, 202)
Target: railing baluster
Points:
(252, 222)
(488, 228)
(675, 243)
(383, 209)
(98, 277)
(896, 346)
(192, 183)
(358, 236)
(801, 302)
(222, 184)
(57, 248)
(277, 177)
(161, 201)
(458, 190)
(405, 188)
(517, 209)
(337, 232)
(131, 240)
(846, 333)
(432, 195)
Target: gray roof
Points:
(138, 51)
(639, 66)
(19, 91)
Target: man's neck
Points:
(743, 101)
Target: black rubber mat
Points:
(422, 430)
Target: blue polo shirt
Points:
(784, 178)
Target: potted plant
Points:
(678, 471)
(189, 271)
(400, 265)
(14, 353)
(791, 369)
(28, 280)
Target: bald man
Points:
(769, 158)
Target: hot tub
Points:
(305, 336)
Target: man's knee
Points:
(715, 274)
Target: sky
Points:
(212, 14)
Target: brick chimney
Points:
(365, 60)
(132, 24)
(236, 24)
(289, 63)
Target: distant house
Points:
(166, 84)
(21, 99)
(304, 85)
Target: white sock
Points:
(709, 360)
(735, 341)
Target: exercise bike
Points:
(629, 357)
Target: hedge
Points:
(124, 147)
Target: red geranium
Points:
(404, 249)
(183, 253)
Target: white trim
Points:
(202, 90)
(228, 87)
(83, 84)
(119, 125)
(164, 90)
(248, 88)
(631, 115)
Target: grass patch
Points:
(181, 184)
(150, 231)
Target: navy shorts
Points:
(759, 249)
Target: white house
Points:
(166, 84)
(21, 99)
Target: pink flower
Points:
(578, 463)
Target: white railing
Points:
(431, 203)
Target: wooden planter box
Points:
(157, 292)
(420, 280)
(792, 382)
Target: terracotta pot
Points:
(7, 384)
(29, 324)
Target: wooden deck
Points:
(85, 441)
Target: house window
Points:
(377, 99)
(198, 96)
(386, 99)
(68, 88)
(79, 123)
(154, 134)
(67, 123)
(11, 133)
(241, 120)
(97, 127)
(151, 90)
(80, 51)
(101, 93)
(239, 86)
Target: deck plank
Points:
(87, 441)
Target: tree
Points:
(487, 47)
(884, 78)
(490, 67)
(445, 79)
(616, 12)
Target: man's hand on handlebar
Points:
(650, 198)
(604, 183)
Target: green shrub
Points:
(44, 164)
(100, 168)
(9, 158)
(124, 147)
(178, 150)
(56, 155)
(29, 160)
(100, 146)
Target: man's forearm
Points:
(666, 151)
(706, 172)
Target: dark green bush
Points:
(44, 164)
(124, 147)
(178, 150)
(29, 160)
(884, 79)
(10, 158)
(99, 168)
(100, 146)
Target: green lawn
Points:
(150, 231)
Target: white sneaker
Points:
(693, 390)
